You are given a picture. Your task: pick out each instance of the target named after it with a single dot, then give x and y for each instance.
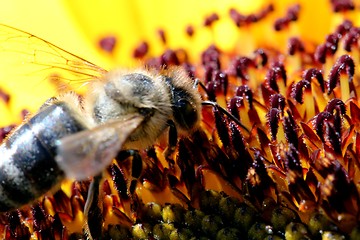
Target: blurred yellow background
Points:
(77, 26)
(73, 25)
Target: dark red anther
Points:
(315, 73)
(277, 101)
(343, 63)
(276, 72)
(119, 182)
(292, 14)
(291, 120)
(237, 17)
(260, 53)
(280, 24)
(295, 45)
(153, 63)
(221, 124)
(209, 20)
(336, 104)
(24, 113)
(332, 42)
(245, 91)
(190, 69)
(240, 66)
(292, 160)
(162, 35)
(297, 90)
(273, 118)
(328, 48)
(222, 80)
(290, 129)
(169, 58)
(4, 131)
(352, 38)
(240, 19)
(344, 27)
(334, 137)
(208, 73)
(244, 159)
(234, 104)
(320, 53)
(42, 222)
(211, 88)
(4, 96)
(211, 57)
(16, 229)
(251, 18)
(319, 123)
(342, 5)
(190, 30)
(141, 50)
(108, 43)
(259, 163)
(264, 12)
(338, 120)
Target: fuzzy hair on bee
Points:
(77, 138)
(155, 94)
(152, 100)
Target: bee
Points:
(77, 138)
(73, 139)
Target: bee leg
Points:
(93, 210)
(172, 142)
(136, 166)
(216, 105)
(224, 111)
(136, 170)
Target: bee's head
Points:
(186, 102)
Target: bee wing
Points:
(88, 152)
(34, 66)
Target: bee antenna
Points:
(201, 84)
(224, 111)
(216, 105)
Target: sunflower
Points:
(277, 153)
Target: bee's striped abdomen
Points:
(27, 158)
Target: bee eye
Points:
(185, 113)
